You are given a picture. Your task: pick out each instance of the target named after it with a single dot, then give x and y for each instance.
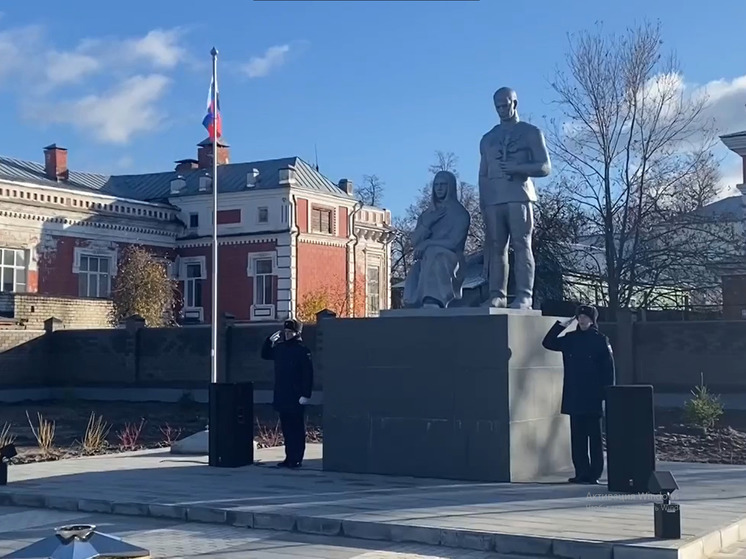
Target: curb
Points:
(698, 548)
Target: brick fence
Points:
(669, 355)
(135, 356)
(31, 310)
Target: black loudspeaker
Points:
(231, 428)
(630, 438)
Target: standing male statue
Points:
(511, 153)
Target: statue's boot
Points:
(431, 303)
(522, 303)
(496, 302)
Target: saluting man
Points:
(589, 368)
(293, 386)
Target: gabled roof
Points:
(725, 209)
(157, 186)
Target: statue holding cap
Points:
(511, 154)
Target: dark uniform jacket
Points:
(293, 372)
(589, 368)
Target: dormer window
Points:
(287, 176)
(177, 185)
(252, 178)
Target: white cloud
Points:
(17, 49)
(726, 103)
(115, 116)
(109, 88)
(159, 48)
(69, 67)
(726, 100)
(260, 66)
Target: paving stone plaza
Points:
(362, 515)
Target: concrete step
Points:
(737, 550)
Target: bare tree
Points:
(558, 226)
(370, 192)
(634, 152)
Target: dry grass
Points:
(43, 433)
(6, 437)
(94, 440)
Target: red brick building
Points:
(285, 232)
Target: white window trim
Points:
(189, 221)
(258, 212)
(369, 263)
(334, 220)
(110, 253)
(261, 312)
(185, 261)
(25, 267)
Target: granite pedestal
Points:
(447, 394)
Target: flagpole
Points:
(214, 360)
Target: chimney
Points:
(204, 153)
(186, 165)
(345, 185)
(252, 178)
(55, 163)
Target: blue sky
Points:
(377, 87)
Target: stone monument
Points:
(438, 239)
(511, 154)
(437, 390)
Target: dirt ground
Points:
(148, 425)
(724, 444)
(131, 426)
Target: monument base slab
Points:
(457, 311)
(469, 397)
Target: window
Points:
(193, 221)
(13, 270)
(322, 221)
(263, 281)
(374, 290)
(193, 286)
(94, 278)
(263, 215)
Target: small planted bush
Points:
(704, 409)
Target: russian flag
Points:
(213, 121)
